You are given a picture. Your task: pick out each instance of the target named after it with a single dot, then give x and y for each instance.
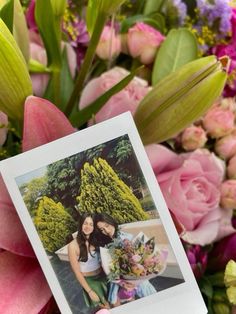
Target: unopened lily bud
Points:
(228, 194)
(15, 84)
(143, 42)
(58, 7)
(3, 128)
(193, 137)
(109, 45)
(218, 121)
(226, 146)
(231, 168)
(221, 308)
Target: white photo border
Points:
(185, 298)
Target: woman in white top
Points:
(85, 263)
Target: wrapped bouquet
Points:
(137, 259)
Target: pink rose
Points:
(218, 121)
(228, 194)
(231, 168)
(193, 137)
(109, 45)
(143, 41)
(3, 127)
(126, 100)
(190, 183)
(226, 146)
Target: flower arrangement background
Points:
(172, 64)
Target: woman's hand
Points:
(93, 296)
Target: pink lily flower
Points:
(23, 288)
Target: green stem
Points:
(56, 86)
(100, 22)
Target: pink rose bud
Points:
(229, 103)
(193, 137)
(231, 169)
(3, 127)
(109, 45)
(228, 194)
(218, 121)
(226, 146)
(143, 41)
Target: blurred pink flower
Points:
(231, 168)
(23, 288)
(126, 100)
(190, 183)
(225, 147)
(193, 137)
(228, 194)
(218, 121)
(43, 123)
(3, 127)
(38, 53)
(143, 42)
(109, 45)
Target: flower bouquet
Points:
(173, 65)
(133, 260)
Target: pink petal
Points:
(23, 288)
(207, 230)
(13, 237)
(43, 123)
(162, 159)
(226, 227)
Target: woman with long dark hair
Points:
(85, 263)
(108, 231)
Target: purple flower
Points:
(222, 252)
(198, 260)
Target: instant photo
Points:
(98, 223)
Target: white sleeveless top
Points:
(93, 263)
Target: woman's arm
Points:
(73, 252)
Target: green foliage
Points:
(64, 180)
(102, 191)
(32, 193)
(53, 224)
(179, 48)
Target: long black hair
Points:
(81, 238)
(102, 238)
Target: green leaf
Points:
(179, 48)
(93, 8)
(48, 31)
(153, 6)
(206, 287)
(156, 21)
(79, 118)
(7, 14)
(67, 82)
(20, 29)
(96, 7)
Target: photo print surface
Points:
(99, 228)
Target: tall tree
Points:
(32, 193)
(53, 223)
(102, 191)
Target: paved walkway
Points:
(73, 291)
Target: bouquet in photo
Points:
(137, 259)
(172, 64)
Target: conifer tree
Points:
(53, 224)
(102, 191)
